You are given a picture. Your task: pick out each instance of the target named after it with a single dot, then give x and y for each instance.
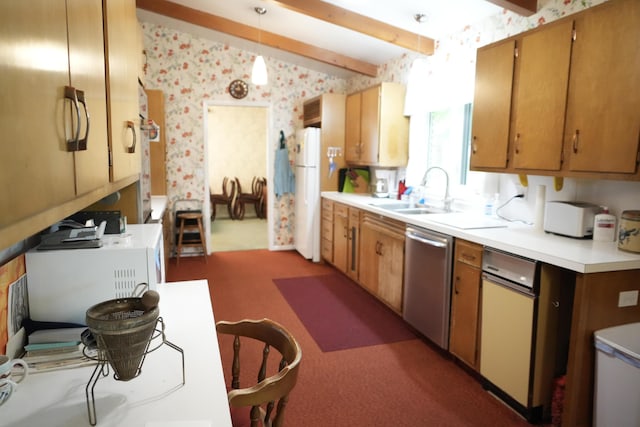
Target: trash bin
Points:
(617, 376)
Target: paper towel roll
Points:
(540, 201)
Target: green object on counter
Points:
(359, 185)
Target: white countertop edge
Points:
(158, 206)
(580, 255)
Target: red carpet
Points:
(339, 314)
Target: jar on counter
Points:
(629, 231)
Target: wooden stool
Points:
(187, 225)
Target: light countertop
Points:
(157, 397)
(580, 255)
(158, 206)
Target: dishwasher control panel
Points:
(510, 267)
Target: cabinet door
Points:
(391, 268)
(382, 261)
(340, 235)
(37, 171)
(352, 128)
(122, 65)
(603, 122)
(86, 61)
(354, 243)
(369, 247)
(157, 149)
(370, 125)
(540, 97)
(465, 300)
(492, 106)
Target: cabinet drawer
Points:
(327, 230)
(340, 210)
(469, 253)
(327, 210)
(326, 249)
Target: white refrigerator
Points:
(307, 195)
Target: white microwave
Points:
(63, 284)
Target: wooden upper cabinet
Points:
(370, 125)
(542, 69)
(492, 106)
(353, 145)
(376, 131)
(86, 68)
(575, 98)
(603, 116)
(39, 171)
(123, 61)
(158, 149)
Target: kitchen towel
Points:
(283, 178)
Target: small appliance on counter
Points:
(572, 219)
(381, 188)
(629, 231)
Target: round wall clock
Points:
(238, 89)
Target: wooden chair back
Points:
(269, 395)
(228, 197)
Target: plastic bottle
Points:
(491, 205)
(604, 226)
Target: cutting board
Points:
(358, 185)
(467, 221)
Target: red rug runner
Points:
(341, 315)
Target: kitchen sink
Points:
(392, 206)
(419, 211)
(406, 209)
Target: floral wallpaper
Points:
(191, 70)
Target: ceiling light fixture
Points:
(259, 71)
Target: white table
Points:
(157, 397)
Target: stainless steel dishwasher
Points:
(427, 283)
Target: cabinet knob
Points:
(576, 140)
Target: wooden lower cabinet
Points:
(326, 232)
(465, 302)
(382, 259)
(340, 236)
(353, 246)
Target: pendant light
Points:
(415, 94)
(259, 71)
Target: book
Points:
(60, 353)
(52, 346)
(59, 358)
(55, 335)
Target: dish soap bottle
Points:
(604, 226)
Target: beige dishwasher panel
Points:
(507, 327)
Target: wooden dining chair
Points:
(261, 403)
(255, 197)
(227, 197)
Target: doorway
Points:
(236, 147)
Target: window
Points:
(443, 138)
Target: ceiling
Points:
(339, 37)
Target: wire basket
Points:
(122, 330)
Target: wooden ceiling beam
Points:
(521, 7)
(362, 24)
(236, 29)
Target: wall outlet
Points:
(627, 298)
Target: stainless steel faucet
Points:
(447, 197)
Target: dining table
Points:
(180, 384)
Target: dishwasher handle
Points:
(422, 238)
